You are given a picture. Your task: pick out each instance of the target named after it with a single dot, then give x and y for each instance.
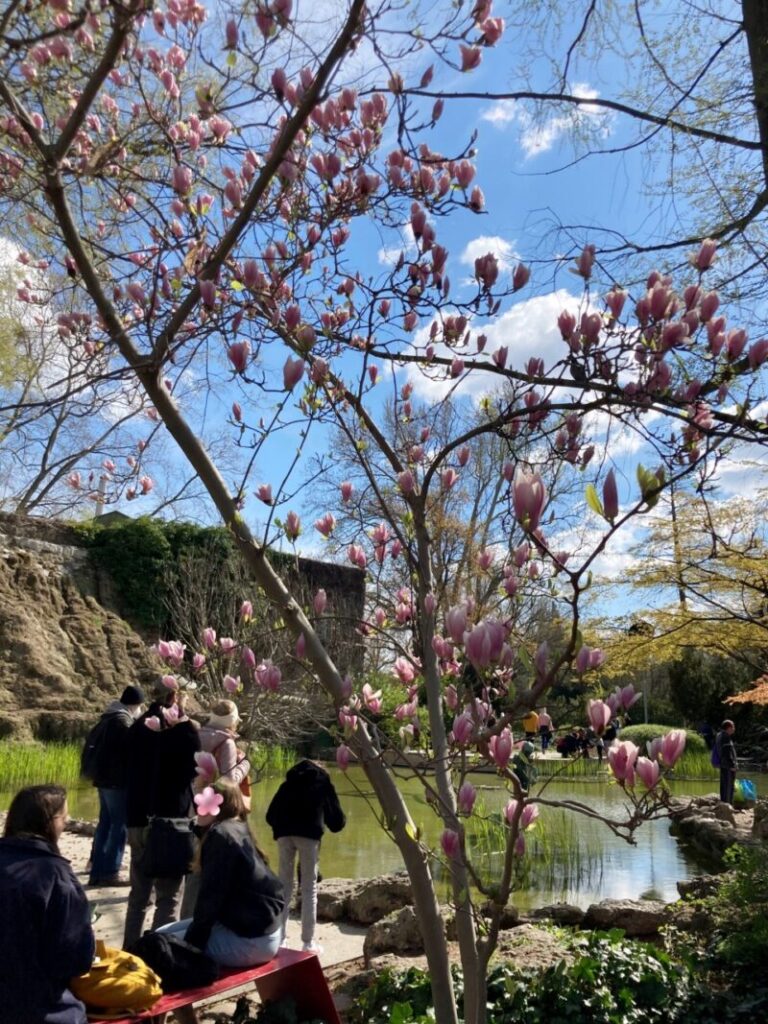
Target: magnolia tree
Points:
(200, 175)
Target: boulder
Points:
(634, 917)
(398, 932)
(563, 914)
(333, 896)
(376, 898)
(689, 917)
(760, 822)
(699, 888)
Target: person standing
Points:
(531, 725)
(726, 752)
(45, 922)
(545, 729)
(161, 766)
(304, 805)
(109, 775)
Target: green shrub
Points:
(642, 734)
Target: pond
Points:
(569, 858)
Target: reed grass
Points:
(26, 764)
(271, 761)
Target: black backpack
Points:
(178, 964)
(92, 749)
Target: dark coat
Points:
(237, 889)
(305, 804)
(161, 767)
(727, 750)
(111, 765)
(45, 935)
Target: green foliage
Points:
(642, 734)
(611, 981)
(740, 910)
(700, 683)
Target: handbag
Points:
(169, 846)
(179, 964)
(117, 981)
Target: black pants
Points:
(727, 781)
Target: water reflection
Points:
(590, 863)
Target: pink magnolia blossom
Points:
(648, 771)
(450, 844)
(246, 611)
(404, 669)
(371, 699)
(301, 645)
(654, 748)
(209, 637)
(430, 603)
(456, 622)
(528, 815)
(347, 490)
(463, 728)
(198, 662)
(293, 371)
(448, 478)
(292, 527)
(237, 412)
(451, 697)
(520, 277)
(672, 747)
(342, 756)
(621, 758)
(485, 559)
(466, 797)
(406, 482)
(238, 354)
(264, 493)
(227, 645)
(268, 676)
(208, 802)
(610, 497)
(600, 715)
(171, 651)
(379, 617)
(585, 261)
(500, 747)
(356, 556)
(320, 601)
(628, 697)
(170, 681)
(326, 524)
(230, 684)
(247, 658)
(705, 257)
(206, 766)
(529, 498)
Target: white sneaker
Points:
(312, 947)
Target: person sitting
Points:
(239, 909)
(45, 923)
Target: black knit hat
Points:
(132, 695)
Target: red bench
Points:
(291, 973)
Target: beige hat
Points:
(224, 715)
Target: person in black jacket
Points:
(239, 910)
(726, 750)
(299, 812)
(111, 779)
(45, 929)
(161, 766)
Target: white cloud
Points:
(501, 249)
(527, 329)
(389, 255)
(539, 134)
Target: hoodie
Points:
(111, 770)
(305, 804)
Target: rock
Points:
(760, 822)
(689, 918)
(724, 812)
(333, 897)
(81, 827)
(397, 933)
(510, 915)
(376, 898)
(699, 888)
(635, 917)
(563, 914)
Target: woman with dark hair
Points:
(45, 931)
(239, 909)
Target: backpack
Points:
(714, 757)
(92, 749)
(179, 964)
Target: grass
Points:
(25, 764)
(271, 761)
(694, 764)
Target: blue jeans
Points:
(228, 948)
(111, 833)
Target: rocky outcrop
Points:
(710, 827)
(634, 917)
(398, 932)
(362, 901)
(566, 915)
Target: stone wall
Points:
(64, 647)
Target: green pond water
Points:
(569, 857)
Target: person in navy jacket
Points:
(45, 928)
